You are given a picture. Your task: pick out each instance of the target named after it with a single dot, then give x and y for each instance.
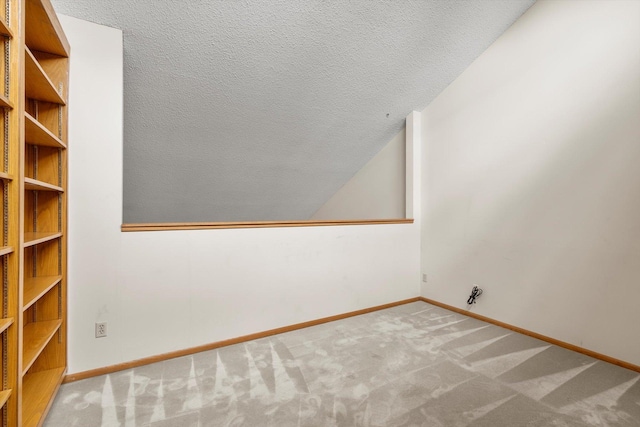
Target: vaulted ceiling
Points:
(261, 110)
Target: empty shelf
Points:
(4, 102)
(37, 134)
(34, 184)
(36, 337)
(36, 237)
(36, 287)
(37, 83)
(37, 391)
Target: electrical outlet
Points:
(424, 277)
(101, 329)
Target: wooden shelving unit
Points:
(33, 182)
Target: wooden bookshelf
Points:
(33, 187)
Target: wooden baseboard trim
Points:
(541, 337)
(171, 355)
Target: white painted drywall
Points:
(375, 191)
(532, 178)
(164, 291)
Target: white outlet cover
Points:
(101, 329)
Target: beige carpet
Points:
(411, 365)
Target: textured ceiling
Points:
(261, 110)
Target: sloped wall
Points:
(531, 178)
(377, 191)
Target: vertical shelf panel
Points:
(11, 159)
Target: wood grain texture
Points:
(5, 323)
(43, 31)
(44, 211)
(36, 337)
(34, 184)
(56, 68)
(4, 29)
(159, 358)
(38, 85)
(4, 101)
(35, 238)
(36, 287)
(4, 396)
(37, 134)
(257, 224)
(16, 209)
(5, 250)
(38, 391)
(536, 335)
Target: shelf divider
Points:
(5, 250)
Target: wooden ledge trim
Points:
(179, 353)
(536, 335)
(257, 224)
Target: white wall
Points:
(375, 191)
(532, 178)
(164, 291)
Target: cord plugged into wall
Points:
(475, 294)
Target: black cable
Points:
(475, 293)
